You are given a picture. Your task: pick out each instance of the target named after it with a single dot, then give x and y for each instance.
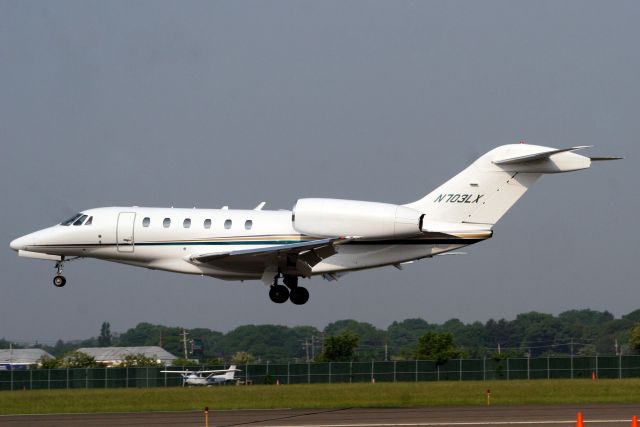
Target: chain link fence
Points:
(336, 372)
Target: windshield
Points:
(71, 220)
(80, 220)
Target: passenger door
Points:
(124, 231)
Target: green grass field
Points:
(321, 396)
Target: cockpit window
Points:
(80, 220)
(89, 221)
(71, 220)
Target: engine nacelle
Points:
(352, 218)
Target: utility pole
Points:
(571, 358)
(184, 341)
(616, 347)
(161, 338)
(386, 352)
(315, 340)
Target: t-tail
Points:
(483, 192)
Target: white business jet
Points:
(211, 377)
(317, 237)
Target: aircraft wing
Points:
(306, 254)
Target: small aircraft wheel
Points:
(299, 295)
(59, 281)
(279, 294)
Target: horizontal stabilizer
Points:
(602, 159)
(536, 156)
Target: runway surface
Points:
(594, 415)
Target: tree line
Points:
(578, 332)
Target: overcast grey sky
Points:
(161, 103)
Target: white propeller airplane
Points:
(317, 237)
(211, 377)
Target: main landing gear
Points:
(290, 290)
(278, 293)
(59, 280)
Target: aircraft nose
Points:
(18, 244)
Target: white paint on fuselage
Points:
(170, 248)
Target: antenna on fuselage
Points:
(260, 206)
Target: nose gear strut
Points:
(59, 280)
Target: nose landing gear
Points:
(59, 280)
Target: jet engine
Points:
(352, 218)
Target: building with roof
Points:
(114, 356)
(21, 358)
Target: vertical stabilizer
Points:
(231, 374)
(484, 191)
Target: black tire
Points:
(299, 295)
(279, 294)
(59, 281)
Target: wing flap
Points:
(271, 250)
(304, 255)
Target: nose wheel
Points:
(59, 280)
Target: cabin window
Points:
(89, 221)
(186, 223)
(166, 223)
(207, 223)
(71, 220)
(248, 224)
(227, 224)
(80, 220)
(146, 221)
